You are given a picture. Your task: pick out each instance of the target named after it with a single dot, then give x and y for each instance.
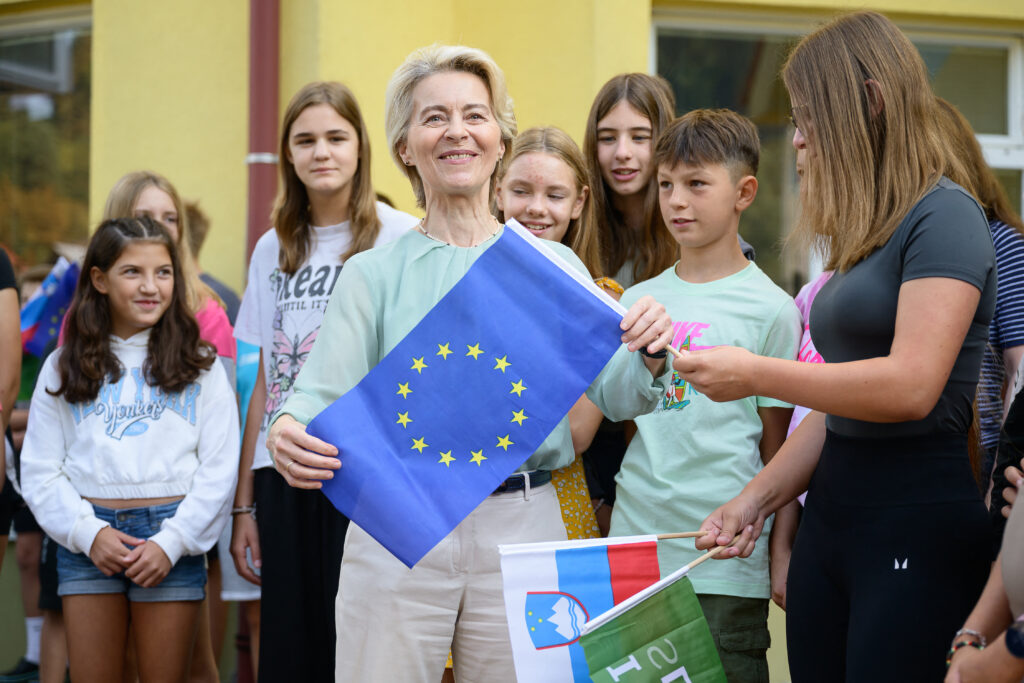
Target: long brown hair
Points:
(581, 236)
(970, 170)
(653, 250)
(176, 355)
(291, 215)
(863, 102)
(121, 204)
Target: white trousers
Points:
(398, 624)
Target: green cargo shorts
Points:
(739, 627)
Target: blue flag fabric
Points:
(43, 315)
(467, 396)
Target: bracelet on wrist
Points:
(244, 510)
(970, 632)
(658, 355)
(959, 644)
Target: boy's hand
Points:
(646, 324)
(724, 373)
(741, 519)
(150, 564)
(108, 550)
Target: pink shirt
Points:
(215, 328)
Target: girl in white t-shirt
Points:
(326, 212)
(130, 457)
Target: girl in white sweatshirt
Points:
(130, 457)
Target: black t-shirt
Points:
(7, 279)
(854, 315)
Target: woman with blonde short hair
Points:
(449, 123)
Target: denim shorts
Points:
(79, 576)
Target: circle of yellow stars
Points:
(501, 364)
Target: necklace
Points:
(423, 229)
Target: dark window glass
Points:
(44, 140)
(740, 71)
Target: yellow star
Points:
(518, 388)
(418, 365)
(505, 442)
(501, 363)
(478, 457)
(403, 389)
(474, 350)
(447, 458)
(419, 444)
(443, 350)
(518, 416)
(404, 419)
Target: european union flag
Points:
(468, 395)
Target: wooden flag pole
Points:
(674, 351)
(682, 534)
(708, 555)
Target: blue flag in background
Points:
(43, 314)
(468, 395)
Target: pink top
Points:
(808, 354)
(215, 328)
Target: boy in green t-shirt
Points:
(692, 454)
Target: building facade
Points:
(92, 90)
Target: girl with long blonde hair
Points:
(873, 592)
(146, 193)
(543, 185)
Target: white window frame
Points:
(1001, 151)
(63, 23)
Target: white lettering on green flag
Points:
(659, 637)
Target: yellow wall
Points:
(169, 93)
(170, 82)
(555, 55)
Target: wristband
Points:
(1015, 639)
(959, 644)
(244, 510)
(971, 632)
(660, 354)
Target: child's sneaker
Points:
(23, 672)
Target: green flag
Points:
(657, 636)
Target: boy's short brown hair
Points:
(711, 136)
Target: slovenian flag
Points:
(552, 589)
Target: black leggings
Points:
(892, 554)
(301, 539)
